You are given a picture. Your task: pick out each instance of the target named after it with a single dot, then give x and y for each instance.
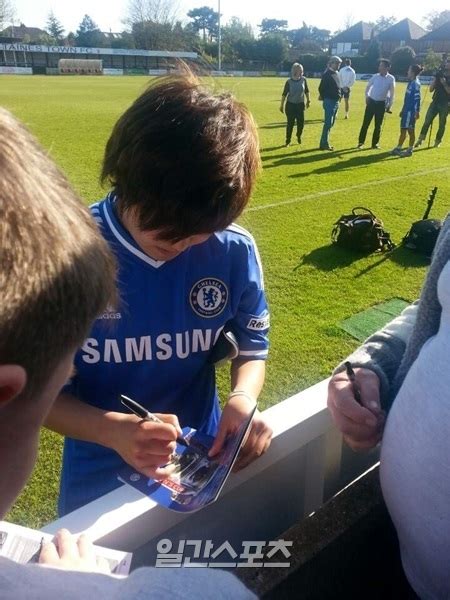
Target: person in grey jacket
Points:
(294, 99)
(403, 372)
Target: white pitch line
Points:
(360, 186)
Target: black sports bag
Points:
(361, 232)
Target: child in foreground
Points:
(56, 276)
(410, 113)
(181, 162)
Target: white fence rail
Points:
(305, 465)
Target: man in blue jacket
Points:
(330, 94)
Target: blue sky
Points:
(109, 14)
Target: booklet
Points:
(23, 545)
(197, 479)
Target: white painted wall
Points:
(305, 465)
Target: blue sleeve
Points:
(251, 321)
(417, 97)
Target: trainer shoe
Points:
(360, 145)
(407, 152)
(396, 151)
(437, 144)
(376, 147)
(419, 142)
(326, 148)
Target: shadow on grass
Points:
(270, 149)
(298, 156)
(332, 257)
(400, 255)
(289, 153)
(354, 162)
(273, 125)
(328, 258)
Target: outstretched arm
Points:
(375, 364)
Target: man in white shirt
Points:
(379, 99)
(347, 77)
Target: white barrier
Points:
(16, 71)
(157, 71)
(112, 71)
(305, 465)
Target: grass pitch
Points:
(311, 286)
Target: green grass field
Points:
(311, 286)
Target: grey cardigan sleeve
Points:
(383, 351)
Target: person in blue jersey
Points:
(293, 103)
(410, 113)
(182, 163)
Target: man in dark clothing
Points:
(330, 94)
(439, 105)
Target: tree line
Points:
(154, 25)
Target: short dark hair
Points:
(348, 61)
(57, 273)
(386, 62)
(183, 158)
(416, 69)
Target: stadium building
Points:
(20, 58)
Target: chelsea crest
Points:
(208, 297)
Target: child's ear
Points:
(13, 379)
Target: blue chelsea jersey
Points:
(412, 97)
(156, 344)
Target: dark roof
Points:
(8, 40)
(361, 32)
(442, 33)
(403, 30)
(21, 31)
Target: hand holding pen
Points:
(143, 413)
(146, 443)
(354, 403)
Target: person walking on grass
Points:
(409, 113)
(379, 99)
(347, 76)
(330, 94)
(293, 102)
(439, 105)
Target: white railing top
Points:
(295, 421)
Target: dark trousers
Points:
(294, 112)
(373, 109)
(433, 110)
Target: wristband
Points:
(241, 393)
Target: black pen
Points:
(143, 413)
(355, 387)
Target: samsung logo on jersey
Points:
(145, 348)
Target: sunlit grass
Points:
(311, 286)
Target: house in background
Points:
(23, 34)
(353, 41)
(403, 33)
(438, 40)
